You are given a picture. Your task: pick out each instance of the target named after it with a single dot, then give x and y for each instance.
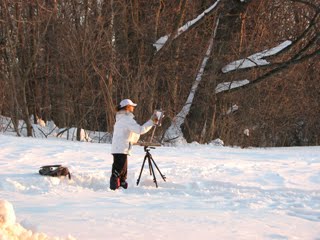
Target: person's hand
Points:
(154, 117)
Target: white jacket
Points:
(127, 132)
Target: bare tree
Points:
(73, 61)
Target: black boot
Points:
(124, 184)
(114, 182)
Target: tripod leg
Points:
(163, 177)
(152, 171)
(149, 163)
(144, 160)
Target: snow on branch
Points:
(255, 59)
(161, 41)
(221, 87)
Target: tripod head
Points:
(148, 144)
(148, 148)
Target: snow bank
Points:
(7, 216)
(228, 193)
(10, 230)
(217, 142)
(49, 130)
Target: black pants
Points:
(120, 166)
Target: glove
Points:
(154, 117)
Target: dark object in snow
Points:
(54, 171)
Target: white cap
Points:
(126, 102)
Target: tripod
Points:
(150, 162)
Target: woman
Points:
(125, 133)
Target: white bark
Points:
(174, 132)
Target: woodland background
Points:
(72, 61)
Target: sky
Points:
(211, 192)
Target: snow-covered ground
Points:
(211, 192)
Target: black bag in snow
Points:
(54, 171)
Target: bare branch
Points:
(274, 71)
